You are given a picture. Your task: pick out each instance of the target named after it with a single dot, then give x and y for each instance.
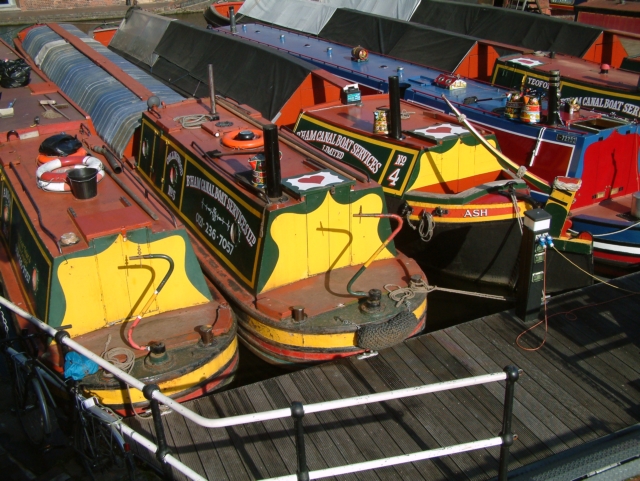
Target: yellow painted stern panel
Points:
(100, 289)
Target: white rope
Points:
(616, 232)
(192, 121)
(115, 354)
(402, 295)
(514, 201)
(567, 187)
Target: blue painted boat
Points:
(601, 151)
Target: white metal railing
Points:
(297, 411)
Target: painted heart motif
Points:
(314, 179)
(439, 130)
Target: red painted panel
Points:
(610, 169)
(552, 159)
(611, 22)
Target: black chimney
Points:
(272, 161)
(395, 127)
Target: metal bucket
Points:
(530, 113)
(514, 106)
(83, 182)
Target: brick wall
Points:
(26, 5)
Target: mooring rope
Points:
(402, 294)
(425, 227)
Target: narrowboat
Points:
(303, 252)
(459, 247)
(217, 14)
(610, 14)
(600, 150)
(463, 204)
(593, 86)
(85, 252)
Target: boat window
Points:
(596, 125)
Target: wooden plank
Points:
(578, 386)
(528, 447)
(481, 351)
(215, 448)
(552, 359)
(367, 423)
(182, 445)
(233, 403)
(408, 427)
(551, 387)
(429, 412)
(255, 438)
(334, 445)
(483, 411)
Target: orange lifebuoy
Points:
(243, 139)
(43, 159)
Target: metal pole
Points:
(163, 450)
(232, 20)
(297, 413)
(507, 436)
(212, 92)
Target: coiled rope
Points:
(192, 121)
(113, 356)
(425, 227)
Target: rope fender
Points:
(386, 334)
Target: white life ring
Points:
(57, 181)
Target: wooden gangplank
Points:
(583, 383)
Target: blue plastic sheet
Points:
(77, 367)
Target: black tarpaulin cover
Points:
(396, 38)
(243, 71)
(523, 29)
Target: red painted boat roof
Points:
(579, 70)
(615, 6)
(111, 211)
(360, 118)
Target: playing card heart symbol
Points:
(314, 179)
(439, 130)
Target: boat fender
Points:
(44, 158)
(60, 145)
(386, 334)
(243, 139)
(57, 181)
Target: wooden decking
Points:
(583, 383)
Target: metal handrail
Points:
(297, 410)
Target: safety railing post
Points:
(161, 439)
(297, 413)
(508, 437)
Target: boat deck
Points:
(582, 384)
(575, 70)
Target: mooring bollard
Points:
(535, 239)
(297, 413)
(508, 437)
